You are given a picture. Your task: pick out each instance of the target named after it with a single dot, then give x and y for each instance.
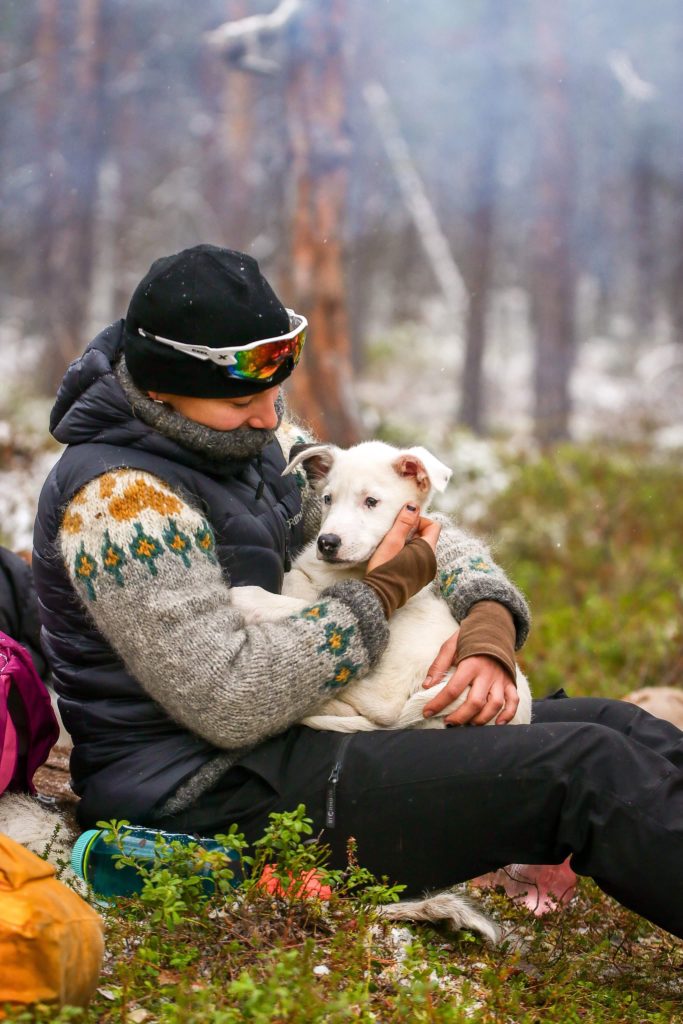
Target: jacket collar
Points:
(98, 402)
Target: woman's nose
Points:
(264, 416)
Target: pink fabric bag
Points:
(28, 725)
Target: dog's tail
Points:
(458, 911)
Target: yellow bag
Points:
(51, 941)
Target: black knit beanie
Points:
(207, 296)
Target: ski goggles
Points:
(259, 360)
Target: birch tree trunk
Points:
(225, 142)
(70, 188)
(237, 108)
(676, 272)
(127, 130)
(478, 267)
(645, 234)
(553, 283)
(51, 168)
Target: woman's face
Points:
(256, 411)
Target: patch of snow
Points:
(620, 388)
(479, 474)
(21, 353)
(670, 437)
(617, 396)
(20, 488)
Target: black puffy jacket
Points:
(110, 717)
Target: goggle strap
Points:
(220, 356)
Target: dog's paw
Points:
(258, 605)
(247, 600)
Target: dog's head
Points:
(362, 491)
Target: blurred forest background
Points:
(479, 207)
(485, 197)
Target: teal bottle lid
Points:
(79, 854)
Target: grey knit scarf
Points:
(216, 445)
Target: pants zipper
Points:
(335, 775)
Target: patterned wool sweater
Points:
(142, 560)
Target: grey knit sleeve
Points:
(144, 564)
(466, 574)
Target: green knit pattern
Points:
(466, 574)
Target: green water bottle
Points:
(95, 860)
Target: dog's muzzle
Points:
(328, 545)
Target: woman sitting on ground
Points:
(168, 494)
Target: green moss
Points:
(593, 537)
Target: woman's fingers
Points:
(428, 530)
(441, 664)
(458, 682)
(492, 693)
(404, 527)
(408, 524)
(481, 705)
(511, 702)
(494, 702)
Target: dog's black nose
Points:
(328, 544)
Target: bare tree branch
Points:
(416, 200)
(21, 75)
(242, 42)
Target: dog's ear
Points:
(315, 459)
(428, 471)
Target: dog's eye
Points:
(327, 499)
(371, 502)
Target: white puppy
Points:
(362, 490)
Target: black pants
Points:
(598, 779)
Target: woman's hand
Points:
(492, 688)
(408, 525)
(404, 562)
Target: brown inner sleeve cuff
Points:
(402, 576)
(488, 629)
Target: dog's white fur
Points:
(391, 696)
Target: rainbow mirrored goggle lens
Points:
(259, 360)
